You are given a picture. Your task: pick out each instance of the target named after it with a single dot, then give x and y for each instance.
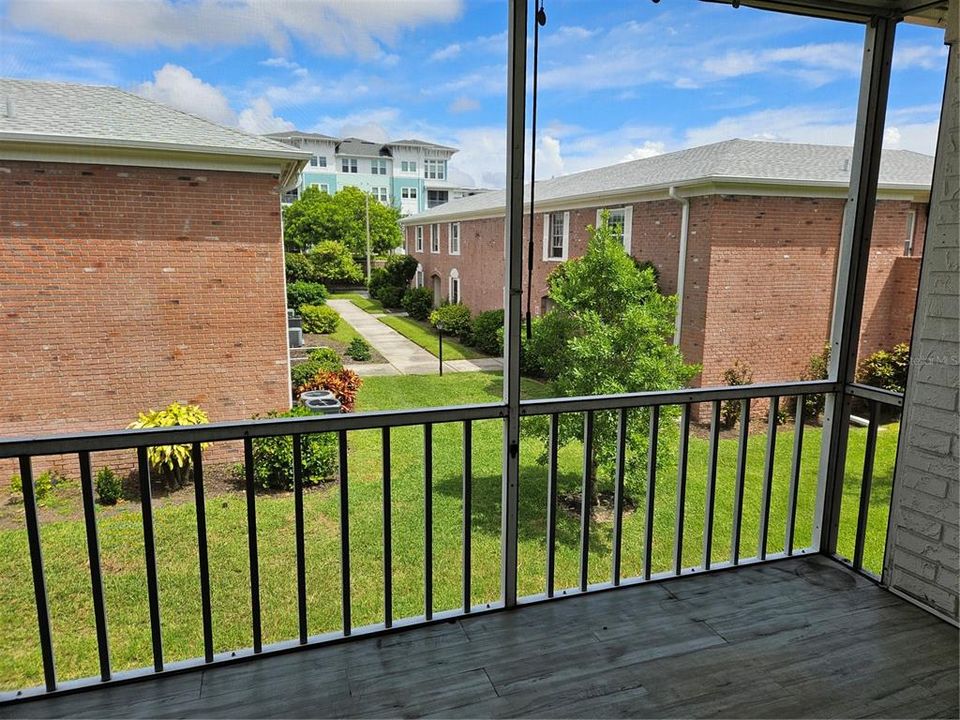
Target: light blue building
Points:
(411, 175)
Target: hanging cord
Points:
(541, 20)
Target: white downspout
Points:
(681, 260)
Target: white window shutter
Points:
(599, 212)
(566, 235)
(546, 236)
(628, 229)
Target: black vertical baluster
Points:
(93, 556)
(299, 532)
(768, 476)
(681, 489)
(252, 544)
(586, 495)
(150, 554)
(552, 443)
(344, 534)
(467, 511)
(711, 490)
(652, 444)
(428, 521)
(387, 533)
(742, 447)
(866, 486)
(618, 494)
(36, 565)
(795, 474)
(204, 562)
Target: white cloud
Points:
(259, 119)
(330, 26)
(549, 160)
(447, 53)
(377, 125)
(463, 104)
(925, 57)
(177, 87)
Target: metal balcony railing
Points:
(653, 403)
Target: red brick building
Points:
(141, 261)
(749, 229)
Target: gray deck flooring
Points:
(797, 638)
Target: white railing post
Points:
(513, 278)
(852, 261)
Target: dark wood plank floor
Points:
(798, 638)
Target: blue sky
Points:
(619, 80)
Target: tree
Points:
(317, 217)
(618, 324)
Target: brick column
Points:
(923, 559)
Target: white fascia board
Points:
(280, 153)
(287, 170)
(700, 187)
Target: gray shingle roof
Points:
(299, 134)
(362, 148)
(96, 115)
(742, 161)
(422, 143)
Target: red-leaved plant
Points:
(343, 383)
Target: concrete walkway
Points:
(403, 356)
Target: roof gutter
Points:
(681, 259)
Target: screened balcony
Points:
(728, 612)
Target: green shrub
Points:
(359, 349)
(273, 456)
(299, 268)
(547, 347)
(886, 369)
(455, 319)
(485, 332)
(319, 319)
(648, 265)
(739, 374)
(109, 486)
(172, 463)
(818, 368)
(333, 263)
(391, 297)
(418, 302)
(43, 486)
(328, 358)
(389, 284)
(305, 293)
(344, 384)
(302, 372)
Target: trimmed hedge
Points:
(418, 302)
(302, 292)
(487, 332)
(455, 319)
(319, 319)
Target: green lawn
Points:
(426, 337)
(364, 303)
(122, 543)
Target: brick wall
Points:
(126, 288)
(759, 278)
(923, 559)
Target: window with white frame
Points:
(318, 161)
(408, 166)
(408, 193)
(418, 235)
(419, 276)
(435, 169)
(911, 231)
(435, 239)
(454, 234)
(380, 193)
(620, 221)
(348, 165)
(556, 231)
(378, 167)
(454, 294)
(322, 187)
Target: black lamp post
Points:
(440, 343)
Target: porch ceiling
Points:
(920, 12)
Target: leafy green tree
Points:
(617, 326)
(317, 217)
